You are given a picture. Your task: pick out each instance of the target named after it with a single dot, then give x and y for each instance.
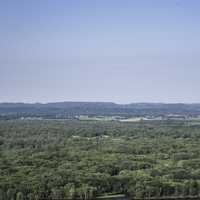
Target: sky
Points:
(100, 50)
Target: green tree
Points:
(19, 196)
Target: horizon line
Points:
(85, 101)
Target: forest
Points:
(68, 110)
(72, 159)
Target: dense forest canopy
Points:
(85, 159)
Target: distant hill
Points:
(71, 109)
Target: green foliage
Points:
(73, 159)
(19, 196)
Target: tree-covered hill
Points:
(71, 109)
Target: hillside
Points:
(71, 109)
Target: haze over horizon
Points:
(85, 101)
(110, 51)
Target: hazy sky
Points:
(106, 50)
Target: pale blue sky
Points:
(106, 50)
